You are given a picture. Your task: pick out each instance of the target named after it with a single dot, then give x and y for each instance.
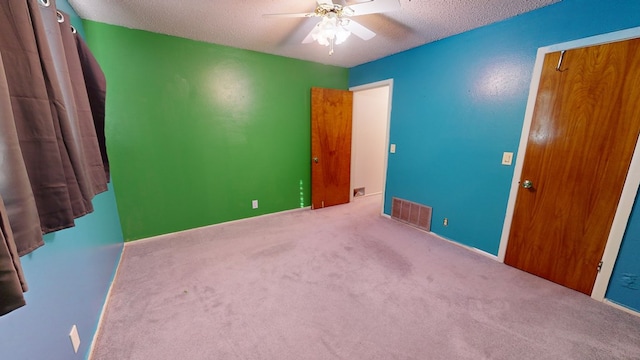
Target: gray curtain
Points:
(51, 164)
(16, 189)
(33, 119)
(88, 133)
(12, 283)
(63, 109)
(96, 84)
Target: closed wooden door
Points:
(331, 113)
(584, 130)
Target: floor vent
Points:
(411, 213)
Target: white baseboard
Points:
(470, 248)
(158, 237)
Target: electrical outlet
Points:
(75, 338)
(445, 222)
(254, 204)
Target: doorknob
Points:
(315, 160)
(527, 184)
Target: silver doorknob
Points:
(315, 160)
(527, 184)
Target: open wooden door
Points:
(584, 130)
(331, 112)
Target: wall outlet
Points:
(254, 204)
(392, 148)
(445, 222)
(75, 338)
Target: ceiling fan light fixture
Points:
(330, 30)
(341, 32)
(335, 24)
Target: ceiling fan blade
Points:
(374, 6)
(309, 38)
(291, 15)
(359, 30)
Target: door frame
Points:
(632, 181)
(373, 85)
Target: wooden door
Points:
(331, 112)
(584, 130)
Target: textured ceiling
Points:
(239, 23)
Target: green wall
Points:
(197, 131)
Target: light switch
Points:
(392, 148)
(507, 158)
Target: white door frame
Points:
(631, 183)
(378, 84)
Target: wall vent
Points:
(411, 213)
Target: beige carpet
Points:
(343, 283)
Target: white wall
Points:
(370, 116)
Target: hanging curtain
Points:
(88, 130)
(51, 163)
(96, 84)
(15, 186)
(12, 283)
(40, 137)
(63, 109)
(39, 141)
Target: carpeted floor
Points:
(343, 283)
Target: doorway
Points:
(370, 141)
(629, 190)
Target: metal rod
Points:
(560, 60)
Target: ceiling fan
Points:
(335, 23)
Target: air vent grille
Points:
(411, 213)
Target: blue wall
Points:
(459, 103)
(624, 288)
(68, 280)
